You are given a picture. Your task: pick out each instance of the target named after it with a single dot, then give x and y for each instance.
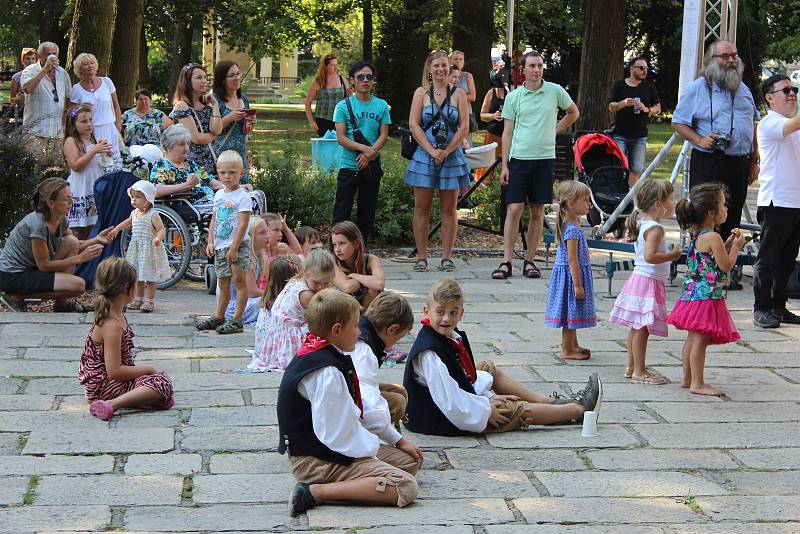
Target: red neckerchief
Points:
(313, 343)
(463, 356)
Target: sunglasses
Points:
(55, 95)
(786, 90)
(365, 77)
(640, 67)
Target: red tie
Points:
(463, 356)
(313, 343)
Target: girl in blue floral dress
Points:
(570, 301)
(701, 309)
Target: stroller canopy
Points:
(597, 142)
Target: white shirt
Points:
(100, 100)
(227, 207)
(335, 417)
(468, 412)
(377, 418)
(779, 179)
(42, 113)
(656, 271)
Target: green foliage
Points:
(302, 88)
(487, 203)
(22, 172)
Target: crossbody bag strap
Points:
(353, 120)
(200, 129)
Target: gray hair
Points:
(708, 57)
(46, 44)
(174, 134)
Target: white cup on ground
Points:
(589, 424)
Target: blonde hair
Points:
(426, 70)
(320, 261)
(281, 270)
(389, 308)
(651, 191)
(445, 291)
(84, 57)
(115, 276)
(270, 218)
(230, 156)
(329, 307)
(252, 224)
(566, 192)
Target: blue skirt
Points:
(453, 174)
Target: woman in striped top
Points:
(107, 370)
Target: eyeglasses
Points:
(727, 57)
(234, 76)
(785, 90)
(55, 95)
(365, 77)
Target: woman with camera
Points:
(439, 120)
(491, 111)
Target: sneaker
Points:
(591, 396)
(559, 399)
(301, 499)
(785, 316)
(765, 319)
(11, 303)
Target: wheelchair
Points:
(186, 226)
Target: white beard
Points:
(727, 78)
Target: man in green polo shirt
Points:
(529, 152)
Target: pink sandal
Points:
(101, 409)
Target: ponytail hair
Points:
(703, 198)
(48, 189)
(651, 191)
(281, 270)
(115, 276)
(566, 192)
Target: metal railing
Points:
(281, 83)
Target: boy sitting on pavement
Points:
(449, 395)
(387, 320)
(320, 418)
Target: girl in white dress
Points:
(85, 157)
(146, 247)
(280, 330)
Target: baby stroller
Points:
(604, 168)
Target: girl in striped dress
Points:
(107, 370)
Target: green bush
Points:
(486, 201)
(306, 197)
(22, 170)
(302, 88)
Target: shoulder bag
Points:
(408, 145)
(373, 171)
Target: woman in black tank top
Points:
(491, 112)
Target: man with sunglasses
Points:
(47, 87)
(716, 114)
(778, 202)
(359, 148)
(634, 100)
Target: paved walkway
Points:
(664, 462)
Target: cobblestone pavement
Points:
(664, 461)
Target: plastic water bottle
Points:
(636, 109)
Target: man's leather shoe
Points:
(785, 316)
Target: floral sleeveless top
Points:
(703, 280)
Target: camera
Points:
(439, 131)
(498, 78)
(721, 141)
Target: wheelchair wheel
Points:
(195, 270)
(177, 241)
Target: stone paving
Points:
(664, 461)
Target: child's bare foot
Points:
(628, 372)
(705, 389)
(685, 384)
(574, 354)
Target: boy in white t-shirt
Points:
(229, 243)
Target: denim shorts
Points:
(635, 148)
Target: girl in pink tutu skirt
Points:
(701, 308)
(642, 304)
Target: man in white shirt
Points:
(449, 395)
(778, 203)
(47, 87)
(321, 419)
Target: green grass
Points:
(30, 494)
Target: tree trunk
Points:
(144, 68)
(401, 54)
(472, 23)
(181, 52)
(92, 30)
(602, 57)
(124, 71)
(752, 42)
(50, 28)
(366, 40)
